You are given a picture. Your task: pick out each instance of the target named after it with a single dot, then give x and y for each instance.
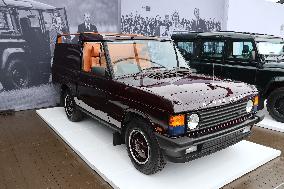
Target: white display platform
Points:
(93, 143)
(270, 123)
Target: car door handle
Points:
(126, 88)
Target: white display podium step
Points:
(93, 143)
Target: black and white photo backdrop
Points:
(164, 17)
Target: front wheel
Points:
(275, 104)
(17, 75)
(71, 110)
(143, 148)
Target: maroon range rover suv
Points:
(142, 88)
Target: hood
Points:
(192, 91)
(273, 61)
(275, 64)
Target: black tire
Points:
(41, 79)
(17, 75)
(71, 110)
(275, 104)
(150, 159)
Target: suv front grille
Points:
(220, 118)
(221, 115)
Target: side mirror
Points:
(99, 71)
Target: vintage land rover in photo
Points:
(25, 41)
(256, 59)
(143, 89)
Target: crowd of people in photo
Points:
(158, 26)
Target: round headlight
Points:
(249, 106)
(193, 121)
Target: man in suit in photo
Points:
(198, 24)
(87, 26)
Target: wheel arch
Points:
(277, 82)
(10, 53)
(64, 87)
(131, 114)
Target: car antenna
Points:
(213, 72)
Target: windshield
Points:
(133, 57)
(268, 48)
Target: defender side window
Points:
(213, 49)
(93, 57)
(6, 24)
(241, 50)
(185, 48)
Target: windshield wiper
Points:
(154, 68)
(180, 69)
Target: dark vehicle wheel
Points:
(42, 80)
(275, 105)
(143, 148)
(17, 75)
(72, 112)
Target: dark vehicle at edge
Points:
(142, 88)
(256, 59)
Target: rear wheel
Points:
(17, 75)
(143, 148)
(275, 104)
(71, 110)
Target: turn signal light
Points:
(255, 101)
(177, 120)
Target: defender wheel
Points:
(143, 148)
(72, 112)
(41, 79)
(275, 104)
(17, 75)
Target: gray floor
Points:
(26, 99)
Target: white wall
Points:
(257, 16)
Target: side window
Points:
(29, 18)
(6, 24)
(241, 50)
(93, 57)
(185, 47)
(213, 49)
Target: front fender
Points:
(276, 81)
(7, 53)
(129, 111)
(156, 120)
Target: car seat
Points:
(26, 26)
(245, 49)
(91, 56)
(246, 52)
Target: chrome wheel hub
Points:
(139, 147)
(69, 105)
